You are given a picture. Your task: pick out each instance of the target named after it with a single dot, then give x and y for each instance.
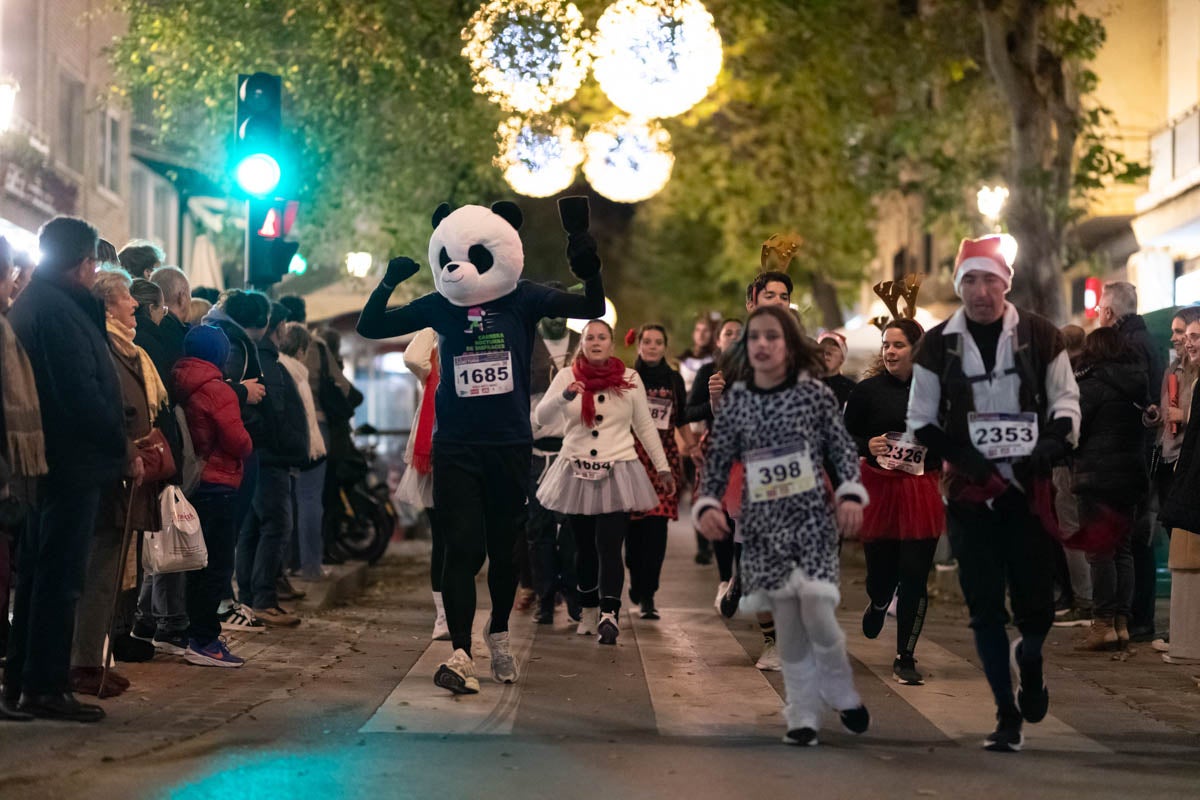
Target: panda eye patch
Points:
(481, 257)
(443, 258)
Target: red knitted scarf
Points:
(609, 376)
(423, 446)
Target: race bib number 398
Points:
(777, 472)
(1003, 436)
(483, 374)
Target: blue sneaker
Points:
(213, 654)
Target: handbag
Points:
(155, 452)
(179, 546)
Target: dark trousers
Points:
(1113, 578)
(50, 573)
(216, 506)
(902, 568)
(551, 545)
(1145, 579)
(645, 549)
(726, 551)
(244, 500)
(598, 558)
(479, 493)
(262, 538)
(437, 557)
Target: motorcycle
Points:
(361, 520)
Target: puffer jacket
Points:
(214, 421)
(1109, 463)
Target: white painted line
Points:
(701, 681)
(417, 706)
(955, 697)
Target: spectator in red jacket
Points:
(219, 438)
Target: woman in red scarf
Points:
(598, 480)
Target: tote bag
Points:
(179, 546)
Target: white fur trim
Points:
(854, 488)
(981, 264)
(702, 504)
(798, 585)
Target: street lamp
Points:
(359, 264)
(8, 101)
(990, 200)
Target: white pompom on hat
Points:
(982, 255)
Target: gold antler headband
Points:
(891, 292)
(778, 251)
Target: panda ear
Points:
(510, 212)
(440, 214)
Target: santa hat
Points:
(836, 338)
(981, 255)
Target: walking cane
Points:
(116, 597)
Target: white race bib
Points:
(590, 470)
(1003, 436)
(660, 412)
(483, 374)
(777, 472)
(903, 455)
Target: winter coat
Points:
(284, 438)
(142, 508)
(162, 342)
(1109, 463)
(61, 327)
(1132, 329)
(214, 421)
(1181, 509)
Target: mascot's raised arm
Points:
(485, 317)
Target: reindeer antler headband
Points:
(778, 251)
(891, 292)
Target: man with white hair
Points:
(993, 390)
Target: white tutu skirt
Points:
(415, 489)
(627, 487)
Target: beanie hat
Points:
(207, 343)
(981, 255)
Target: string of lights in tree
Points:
(538, 157)
(527, 55)
(628, 160)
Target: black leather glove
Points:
(583, 255)
(1051, 447)
(399, 269)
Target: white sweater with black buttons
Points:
(619, 416)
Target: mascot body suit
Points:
(485, 317)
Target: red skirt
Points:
(902, 506)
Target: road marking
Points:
(417, 706)
(955, 698)
(701, 681)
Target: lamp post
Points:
(8, 101)
(359, 264)
(990, 201)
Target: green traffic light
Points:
(299, 265)
(258, 174)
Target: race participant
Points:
(646, 545)
(598, 480)
(993, 391)
(784, 424)
(901, 526)
(833, 353)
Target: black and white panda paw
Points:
(583, 255)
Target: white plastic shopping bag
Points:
(179, 546)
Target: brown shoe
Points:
(1102, 636)
(1121, 625)
(86, 680)
(277, 617)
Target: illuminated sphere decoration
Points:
(628, 160)
(527, 55)
(656, 58)
(538, 158)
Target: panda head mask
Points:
(475, 252)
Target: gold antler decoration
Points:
(778, 251)
(891, 292)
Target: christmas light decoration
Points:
(628, 160)
(538, 158)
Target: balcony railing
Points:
(1175, 151)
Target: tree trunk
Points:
(825, 298)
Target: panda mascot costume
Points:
(485, 317)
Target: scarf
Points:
(422, 459)
(609, 376)
(655, 376)
(299, 373)
(25, 445)
(122, 341)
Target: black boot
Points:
(648, 609)
(60, 705)
(9, 711)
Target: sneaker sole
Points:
(608, 634)
(450, 680)
(226, 626)
(796, 743)
(201, 660)
(905, 682)
(1006, 747)
(761, 667)
(170, 649)
(1072, 623)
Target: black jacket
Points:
(61, 327)
(879, 405)
(699, 407)
(1133, 330)
(283, 440)
(1181, 509)
(162, 342)
(1109, 463)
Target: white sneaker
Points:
(458, 674)
(441, 631)
(769, 660)
(722, 588)
(240, 618)
(589, 620)
(504, 666)
(608, 628)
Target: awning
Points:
(1174, 225)
(188, 181)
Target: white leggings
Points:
(812, 647)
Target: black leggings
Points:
(727, 551)
(598, 563)
(479, 493)
(645, 549)
(437, 559)
(901, 567)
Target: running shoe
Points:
(1033, 698)
(855, 720)
(173, 644)
(1073, 618)
(722, 588)
(607, 628)
(143, 631)
(1007, 737)
(727, 603)
(504, 666)
(904, 669)
(589, 619)
(804, 737)
(241, 618)
(647, 608)
(1162, 645)
(873, 619)
(769, 660)
(213, 654)
(277, 616)
(458, 674)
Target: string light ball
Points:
(538, 158)
(527, 55)
(628, 160)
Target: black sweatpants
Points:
(437, 556)
(901, 567)
(479, 493)
(598, 562)
(645, 549)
